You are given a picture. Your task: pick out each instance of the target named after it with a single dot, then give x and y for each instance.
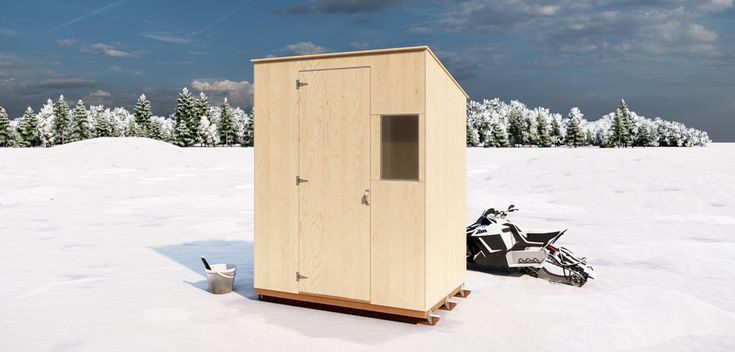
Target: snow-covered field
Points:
(100, 243)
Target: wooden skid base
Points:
(449, 306)
(359, 307)
(462, 294)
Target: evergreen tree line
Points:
(493, 123)
(195, 122)
(490, 123)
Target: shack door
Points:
(334, 183)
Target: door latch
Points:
(300, 84)
(300, 277)
(300, 180)
(366, 197)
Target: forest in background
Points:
(196, 122)
(494, 123)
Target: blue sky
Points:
(668, 58)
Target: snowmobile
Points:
(495, 242)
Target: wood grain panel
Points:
(398, 83)
(397, 79)
(334, 156)
(276, 164)
(398, 244)
(445, 182)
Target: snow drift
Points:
(102, 239)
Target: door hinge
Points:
(300, 84)
(300, 277)
(300, 180)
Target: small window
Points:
(399, 147)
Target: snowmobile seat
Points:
(543, 237)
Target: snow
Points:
(101, 242)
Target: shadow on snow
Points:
(239, 253)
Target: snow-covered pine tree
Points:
(167, 127)
(515, 127)
(643, 136)
(542, 131)
(227, 128)
(557, 138)
(122, 122)
(530, 133)
(80, 123)
(575, 134)
(589, 135)
(485, 128)
(621, 136)
(500, 136)
(247, 132)
(156, 130)
(473, 135)
(132, 129)
(5, 137)
(14, 133)
(201, 109)
(653, 133)
(102, 123)
(185, 134)
(61, 122)
(28, 129)
(46, 120)
(180, 132)
(142, 114)
(207, 132)
(248, 135)
(633, 122)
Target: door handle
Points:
(366, 197)
(300, 180)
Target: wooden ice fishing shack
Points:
(360, 180)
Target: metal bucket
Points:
(221, 278)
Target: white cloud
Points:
(304, 48)
(602, 30)
(8, 32)
(714, 5)
(66, 41)
(698, 32)
(100, 93)
(360, 45)
(10, 61)
(118, 69)
(166, 37)
(544, 10)
(237, 93)
(99, 97)
(420, 30)
(111, 50)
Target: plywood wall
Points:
(417, 227)
(445, 183)
(396, 86)
(276, 166)
(398, 244)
